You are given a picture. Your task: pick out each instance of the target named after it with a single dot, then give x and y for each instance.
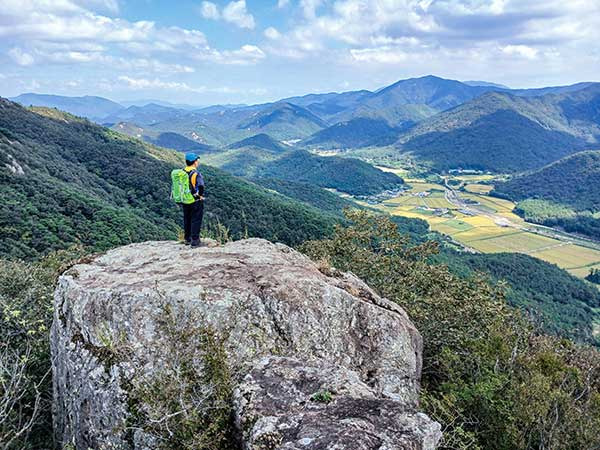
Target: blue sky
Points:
(246, 51)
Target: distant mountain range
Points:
(441, 123)
(94, 108)
(485, 83)
(506, 133)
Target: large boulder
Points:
(125, 318)
(291, 404)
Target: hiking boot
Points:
(196, 243)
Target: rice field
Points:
(488, 234)
(520, 242)
(583, 272)
(479, 188)
(571, 256)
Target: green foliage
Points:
(554, 300)
(26, 291)
(551, 214)
(180, 143)
(557, 302)
(307, 193)
(283, 121)
(261, 140)
(573, 181)
(594, 276)
(538, 211)
(322, 396)
(503, 141)
(507, 133)
(564, 194)
(343, 174)
(490, 381)
(83, 184)
(358, 132)
(187, 404)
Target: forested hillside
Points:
(261, 140)
(557, 302)
(308, 193)
(573, 181)
(64, 180)
(178, 142)
(343, 174)
(565, 194)
(503, 141)
(283, 121)
(354, 133)
(507, 133)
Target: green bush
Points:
(26, 291)
(487, 377)
(187, 403)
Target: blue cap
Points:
(191, 156)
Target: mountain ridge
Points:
(100, 189)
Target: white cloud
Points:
(282, 3)
(380, 55)
(20, 57)
(236, 13)
(272, 33)
(210, 11)
(145, 84)
(247, 54)
(32, 85)
(396, 31)
(64, 32)
(520, 50)
(109, 6)
(309, 7)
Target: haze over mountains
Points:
(442, 124)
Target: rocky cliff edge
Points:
(316, 359)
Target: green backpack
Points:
(180, 187)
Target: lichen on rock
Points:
(281, 321)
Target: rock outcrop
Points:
(319, 360)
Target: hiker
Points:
(188, 191)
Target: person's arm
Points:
(198, 185)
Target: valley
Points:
(482, 223)
(299, 224)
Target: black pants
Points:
(192, 220)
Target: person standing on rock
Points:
(188, 191)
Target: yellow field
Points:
(494, 203)
(422, 187)
(438, 202)
(520, 242)
(479, 188)
(583, 272)
(483, 234)
(570, 256)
